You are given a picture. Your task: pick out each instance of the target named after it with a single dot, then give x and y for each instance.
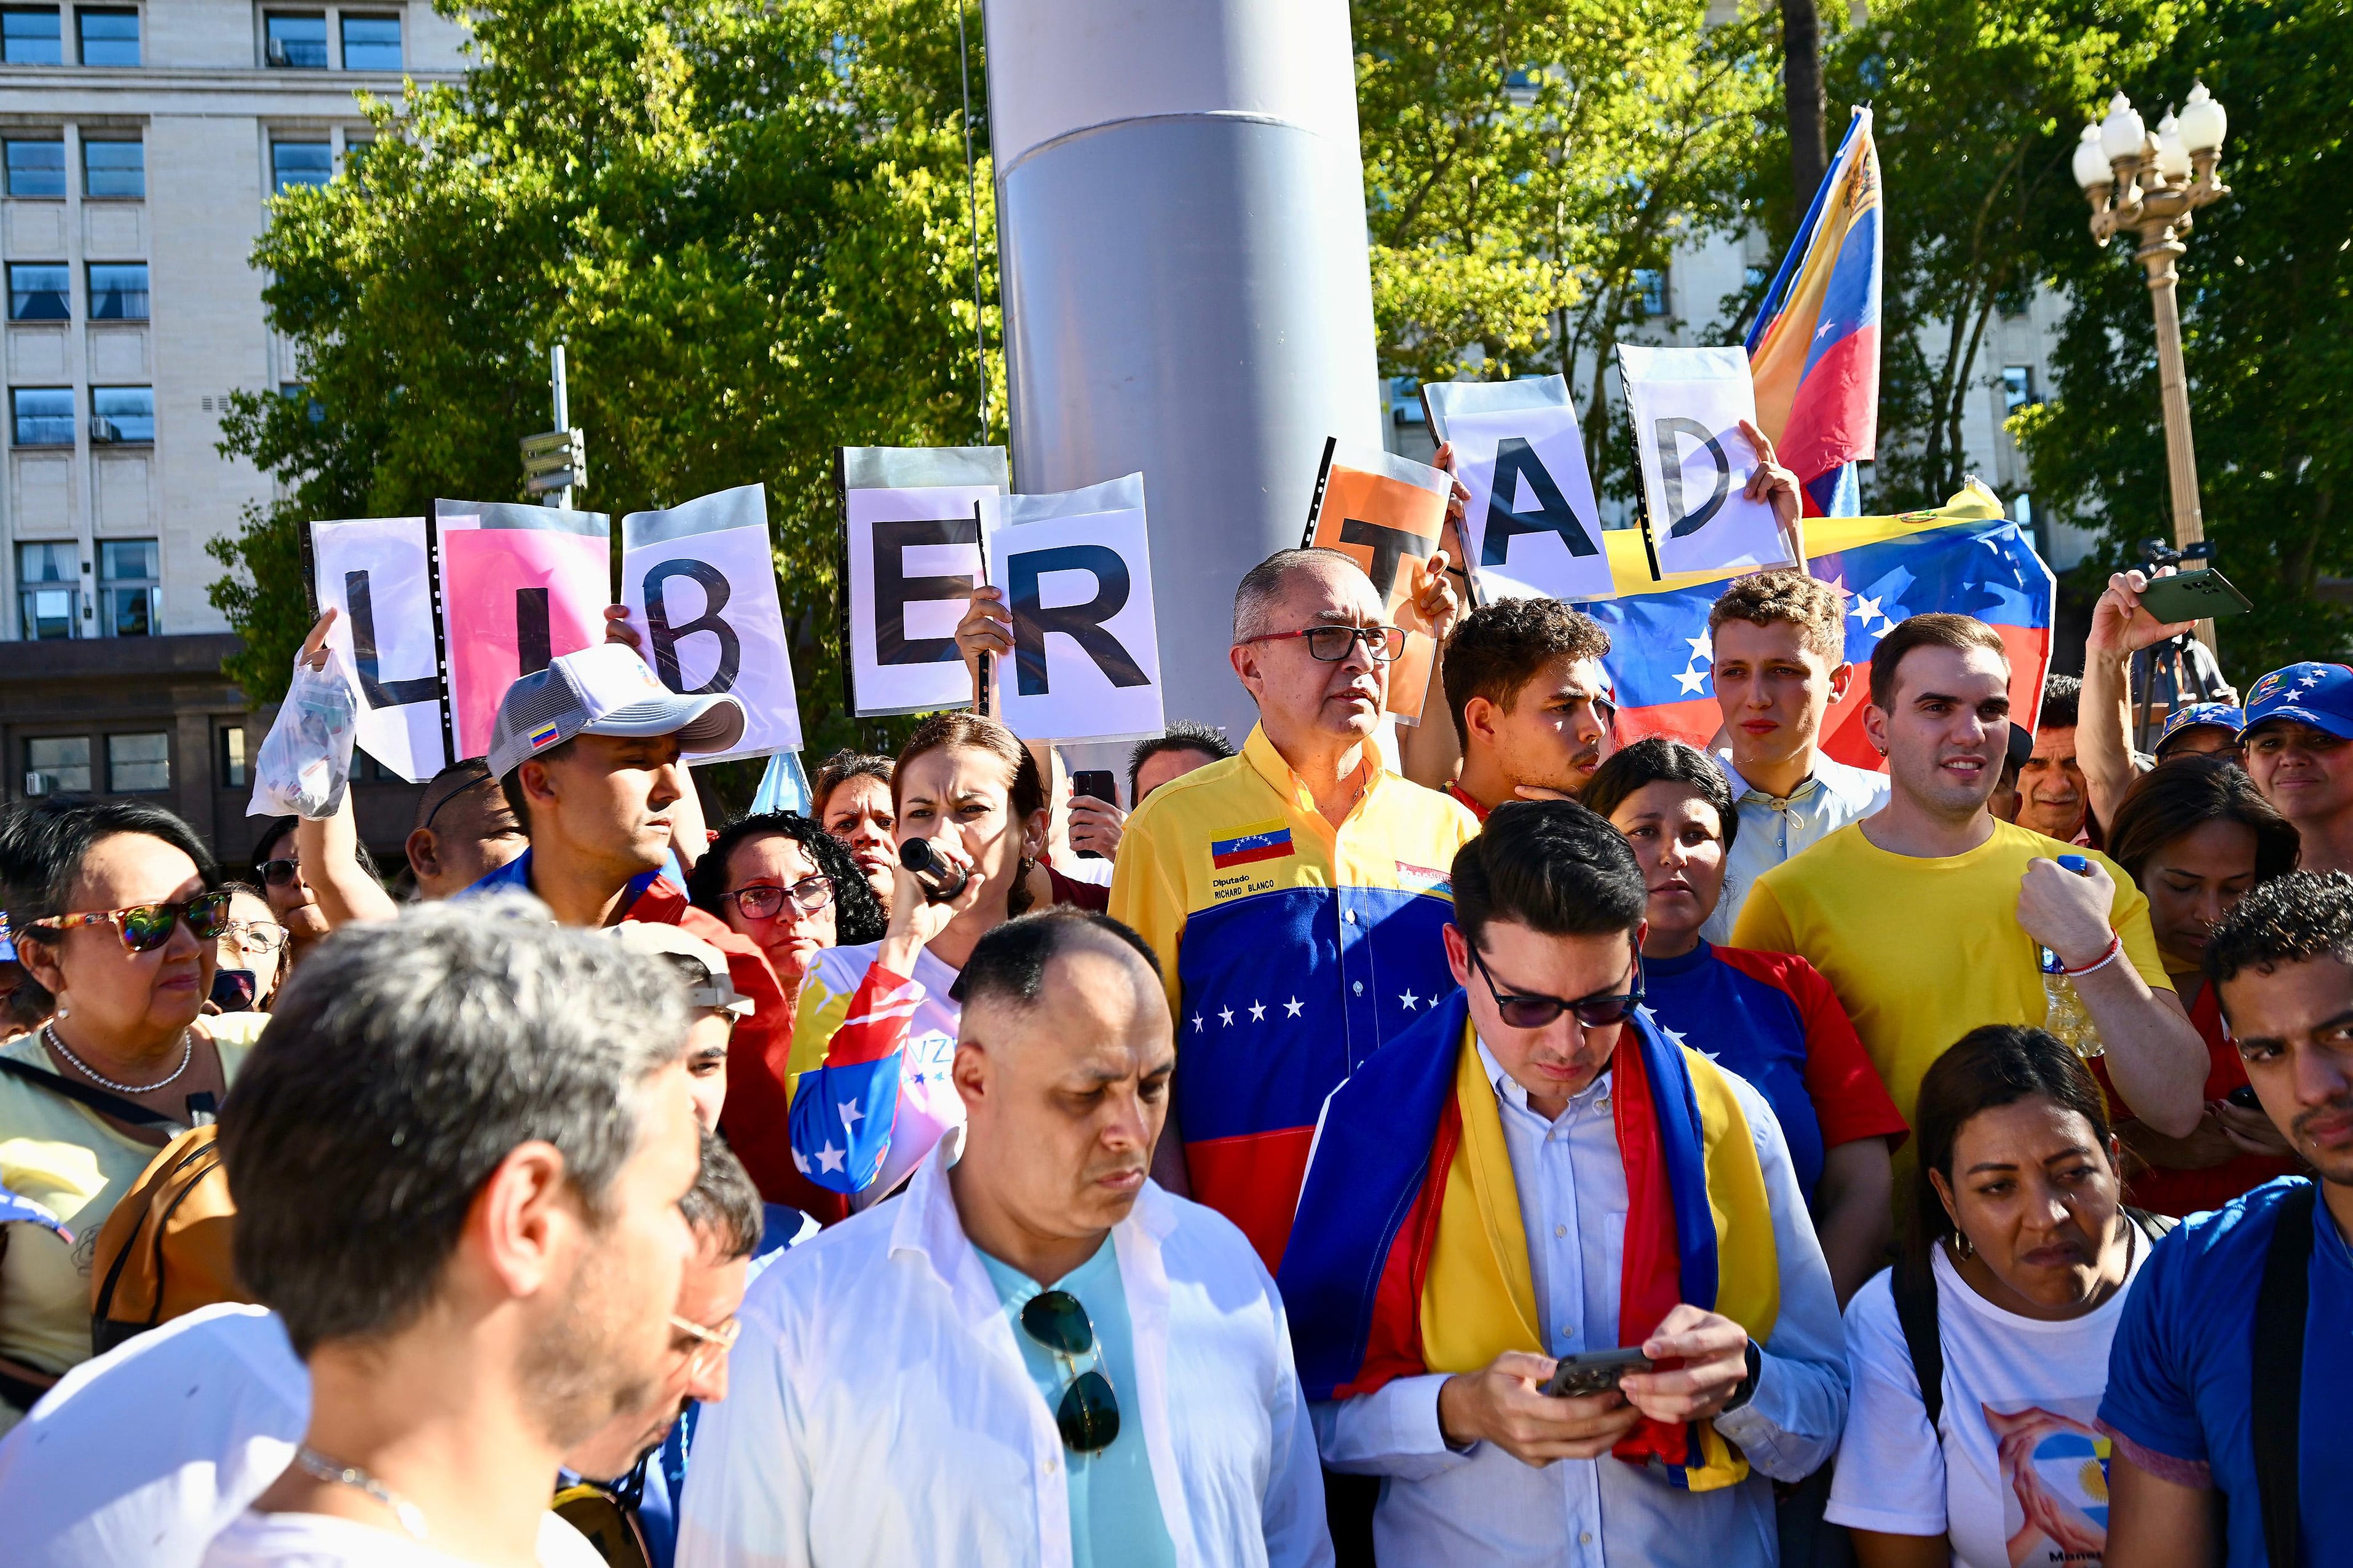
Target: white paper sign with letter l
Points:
(700, 587)
(911, 553)
(1687, 405)
(1076, 571)
(1533, 528)
(372, 573)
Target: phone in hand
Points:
(234, 989)
(1095, 784)
(2243, 1097)
(2192, 596)
(1594, 1372)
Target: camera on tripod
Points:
(2156, 552)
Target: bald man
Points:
(1153, 1415)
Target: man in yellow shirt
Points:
(1930, 916)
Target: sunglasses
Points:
(282, 873)
(762, 901)
(1598, 1011)
(1331, 644)
(1088, 1416)
(146, 927)
(256, 936)
(710, 1344)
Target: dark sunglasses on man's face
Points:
(1598, 1011)
(282, 873)
(146, 927)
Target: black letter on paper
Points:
(1671, 474)
(1514, 460)
(380, 693)
(1081, 623)
(1390, 544)
(894, 590)
(715, 591)
(534, 645)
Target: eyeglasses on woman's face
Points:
(763, 901)
(255, 936)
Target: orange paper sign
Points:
(1389, 514)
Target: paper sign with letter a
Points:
(375, 573)
(910, 556)
(700, 587)
(1389, 514)
(519, 584)
(1533, 528)
(1687, 405)
(1076, 569)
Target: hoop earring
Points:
(1962, 1245)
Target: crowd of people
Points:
(1536, 1143)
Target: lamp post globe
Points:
(2123, 131)
(2203, 121)
(2090, 164)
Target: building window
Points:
(117, 291)
(31, 36)
(2016, 387)
(370, 43)
(1405, 400)
(293, 163)
(48, 581)
(121, 414)
(229, 757)
(37, 292)
(37, 168)
(58, 764)
(108, 37)
(129, 587)
(295, 39)
(1651, 289)
(139, 764)
(299, 391)
(113, 168)
(45, 416)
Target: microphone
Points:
(940, 883)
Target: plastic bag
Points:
(306, 760)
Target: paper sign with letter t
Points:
(700, 587)
(1388, 513)
(1532, 530)
(1076, 571)
(1687, 405)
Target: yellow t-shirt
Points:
(61, 1156)
(1923, 950)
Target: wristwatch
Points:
(1747, 1388)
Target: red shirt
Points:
(2194, 1192)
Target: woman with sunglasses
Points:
(278, 871)
(115, 908)
(790, 886)
(1768, 1016)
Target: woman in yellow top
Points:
(115, 910)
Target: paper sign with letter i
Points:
(700, 587)
(910, 555)
(374, 573)
(1388, 513)
(1076, 572)
(1687, 405)
(519, 584)
(1532, 530)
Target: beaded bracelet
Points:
(2115, 946)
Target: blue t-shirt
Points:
(1750, 1027)
(1115, 1508)
(2181, 1369)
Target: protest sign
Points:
(700, 587)
(519, 584)
(1388, 513)
(1076, 569)
(1687, 405)
(1532, 530)
(911, 551)
(375, 573)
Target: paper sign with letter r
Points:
(1532, 530)
(1388, 513)
(1076, 569)
(910, 556)
(519, 584)
(1687, 405)
(374, 572)
(700, 587)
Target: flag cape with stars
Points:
(871, 1057)
(1967, 557)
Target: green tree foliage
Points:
(749, 224)
(2266, 301)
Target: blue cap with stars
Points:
(2320, 695)
(2221, 715)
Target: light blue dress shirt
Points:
(1773, 828)
(1482, 1506)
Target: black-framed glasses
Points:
(279, 873)
(146, 927)
(1598, 1011)
(1088, 1416)
(1331, 644)
(761, 901)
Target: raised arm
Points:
(2120, 629)
(328, 847)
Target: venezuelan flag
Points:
(1247, 846)
(1814, 352)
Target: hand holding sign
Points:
(1075, 570)
(700, 585)
(1531, 526)
(911, 553)
(1689, 407)
(1388, 514)
(375, 574)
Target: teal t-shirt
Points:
(1114, 1510)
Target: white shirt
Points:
(2040, 1380)
(324, 1540)
(879, 1411)
(1483, 1506)
(1773, 828)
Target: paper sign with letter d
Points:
(519, 584)
(700, 587)
(1388, 513)
(1687, 405)
(1533, 528)
(1076, 569)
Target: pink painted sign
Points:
(519, 584)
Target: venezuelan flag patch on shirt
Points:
(1247, 846)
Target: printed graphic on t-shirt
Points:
(2054, 1481)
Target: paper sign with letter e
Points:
(375, 573)
(1687, 405)
(910, 556)
(1533, 528)
(1388, 513)
(700, 587)
(1076, 569)
(519, 584)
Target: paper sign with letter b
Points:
(373, 572)
(1687, 405)
(519, 584)
(1388, 513)
(1076, 569)
(700, 587)
(1533, 528)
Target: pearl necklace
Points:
(187, 1055)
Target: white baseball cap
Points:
(606, 689)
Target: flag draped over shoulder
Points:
(1814, 352)
(1407, 1254)
(1967, 557)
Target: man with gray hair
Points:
(457, 1154)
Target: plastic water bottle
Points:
(2065, 1016)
